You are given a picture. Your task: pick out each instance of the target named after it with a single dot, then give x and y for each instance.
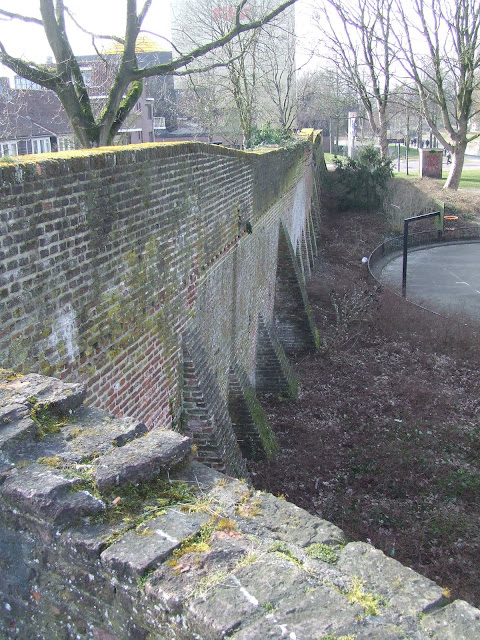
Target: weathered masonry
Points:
(171, 281)
(168, 278)
(184, 552)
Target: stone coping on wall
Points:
(160, 149)
(207, 558)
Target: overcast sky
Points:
(101, 16)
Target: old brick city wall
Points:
(168, 278)
(171, 280)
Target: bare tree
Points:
(253, 73)
(279, 72)
(324, 99)
(65, 76)
(202, 99)
(359, 41)
(441, 44)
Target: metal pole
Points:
(408, 139)
(405, 253)
(405, 244)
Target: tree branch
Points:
(97, 36)
(171, 67)
(17, 16)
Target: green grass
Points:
(412, 152)
(470, 178)
(329, 157)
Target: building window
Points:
(8, 149)
(138, 107)
(87, 76)
(150, 136)
(159, 123)
(41, 145)
(149, 112)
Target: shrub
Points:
(267, 134)
(360, 182)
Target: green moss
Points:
(134, 504)
(322, 552)
(195, 543)
(47, 419)
(260, 419)
(142, 581)
(370, 602)
(282, 549)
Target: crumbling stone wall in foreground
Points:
(197, 555)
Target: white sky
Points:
(100, 16)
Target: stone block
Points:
(309, 616)
(136, 552)
(59, 396)
(92, 433)
(457, 621)
(400, 586)
(269, 597)
(12, 433)
(293, 524)
(141, 459)
(48, 495)
(89, 540)
(11, 411)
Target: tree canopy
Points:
(64, 76)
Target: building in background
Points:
(32, 119)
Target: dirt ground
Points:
(384, 437)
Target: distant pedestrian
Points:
(449, 158)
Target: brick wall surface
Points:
(108, 256)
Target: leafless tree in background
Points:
(279, 73)
(66, 80)
(254, 73)
(324, 99)
(359, 42)
(441, 45)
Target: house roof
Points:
(26, 113)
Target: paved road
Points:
(443, 278)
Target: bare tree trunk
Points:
(455, 174)
(382, 135)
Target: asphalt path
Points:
(441, 278)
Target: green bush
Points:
(360, 182)
(267, 134)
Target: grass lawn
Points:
(470, 178)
